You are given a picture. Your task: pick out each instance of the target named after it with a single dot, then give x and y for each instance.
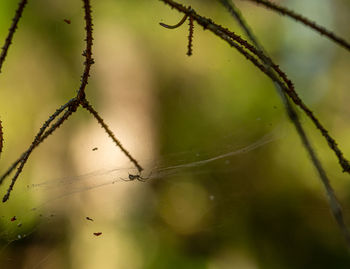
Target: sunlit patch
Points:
(185, 207)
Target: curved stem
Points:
(176, 25)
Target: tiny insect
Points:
(94, 149)
(97, 234)
(13, 218)
(90, 219)
(67, 21)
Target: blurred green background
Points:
(206, 204)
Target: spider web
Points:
(156, 171)
(164, 168)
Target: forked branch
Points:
(258, 58)
(69, 108)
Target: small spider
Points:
(132, 177)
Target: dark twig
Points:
(88, 107)
(12, 31)
(1, 137)
(333, 201)
(288, 88)
(320, 29)
(236, 13)
(190, 37)
(38, 138)
(176, 25)
(31, 148)
(88, 50)
(334, 205)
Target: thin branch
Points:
(72, 108)
(190, 37)
(32, 147)
(88, 50)
(12, 31)
(290, 13)
(293, 116)
(1, 137)
(231, 38)
(38, 138)
(333, 201)
(89, 108)
(236, 13)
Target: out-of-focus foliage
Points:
(263, 208)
